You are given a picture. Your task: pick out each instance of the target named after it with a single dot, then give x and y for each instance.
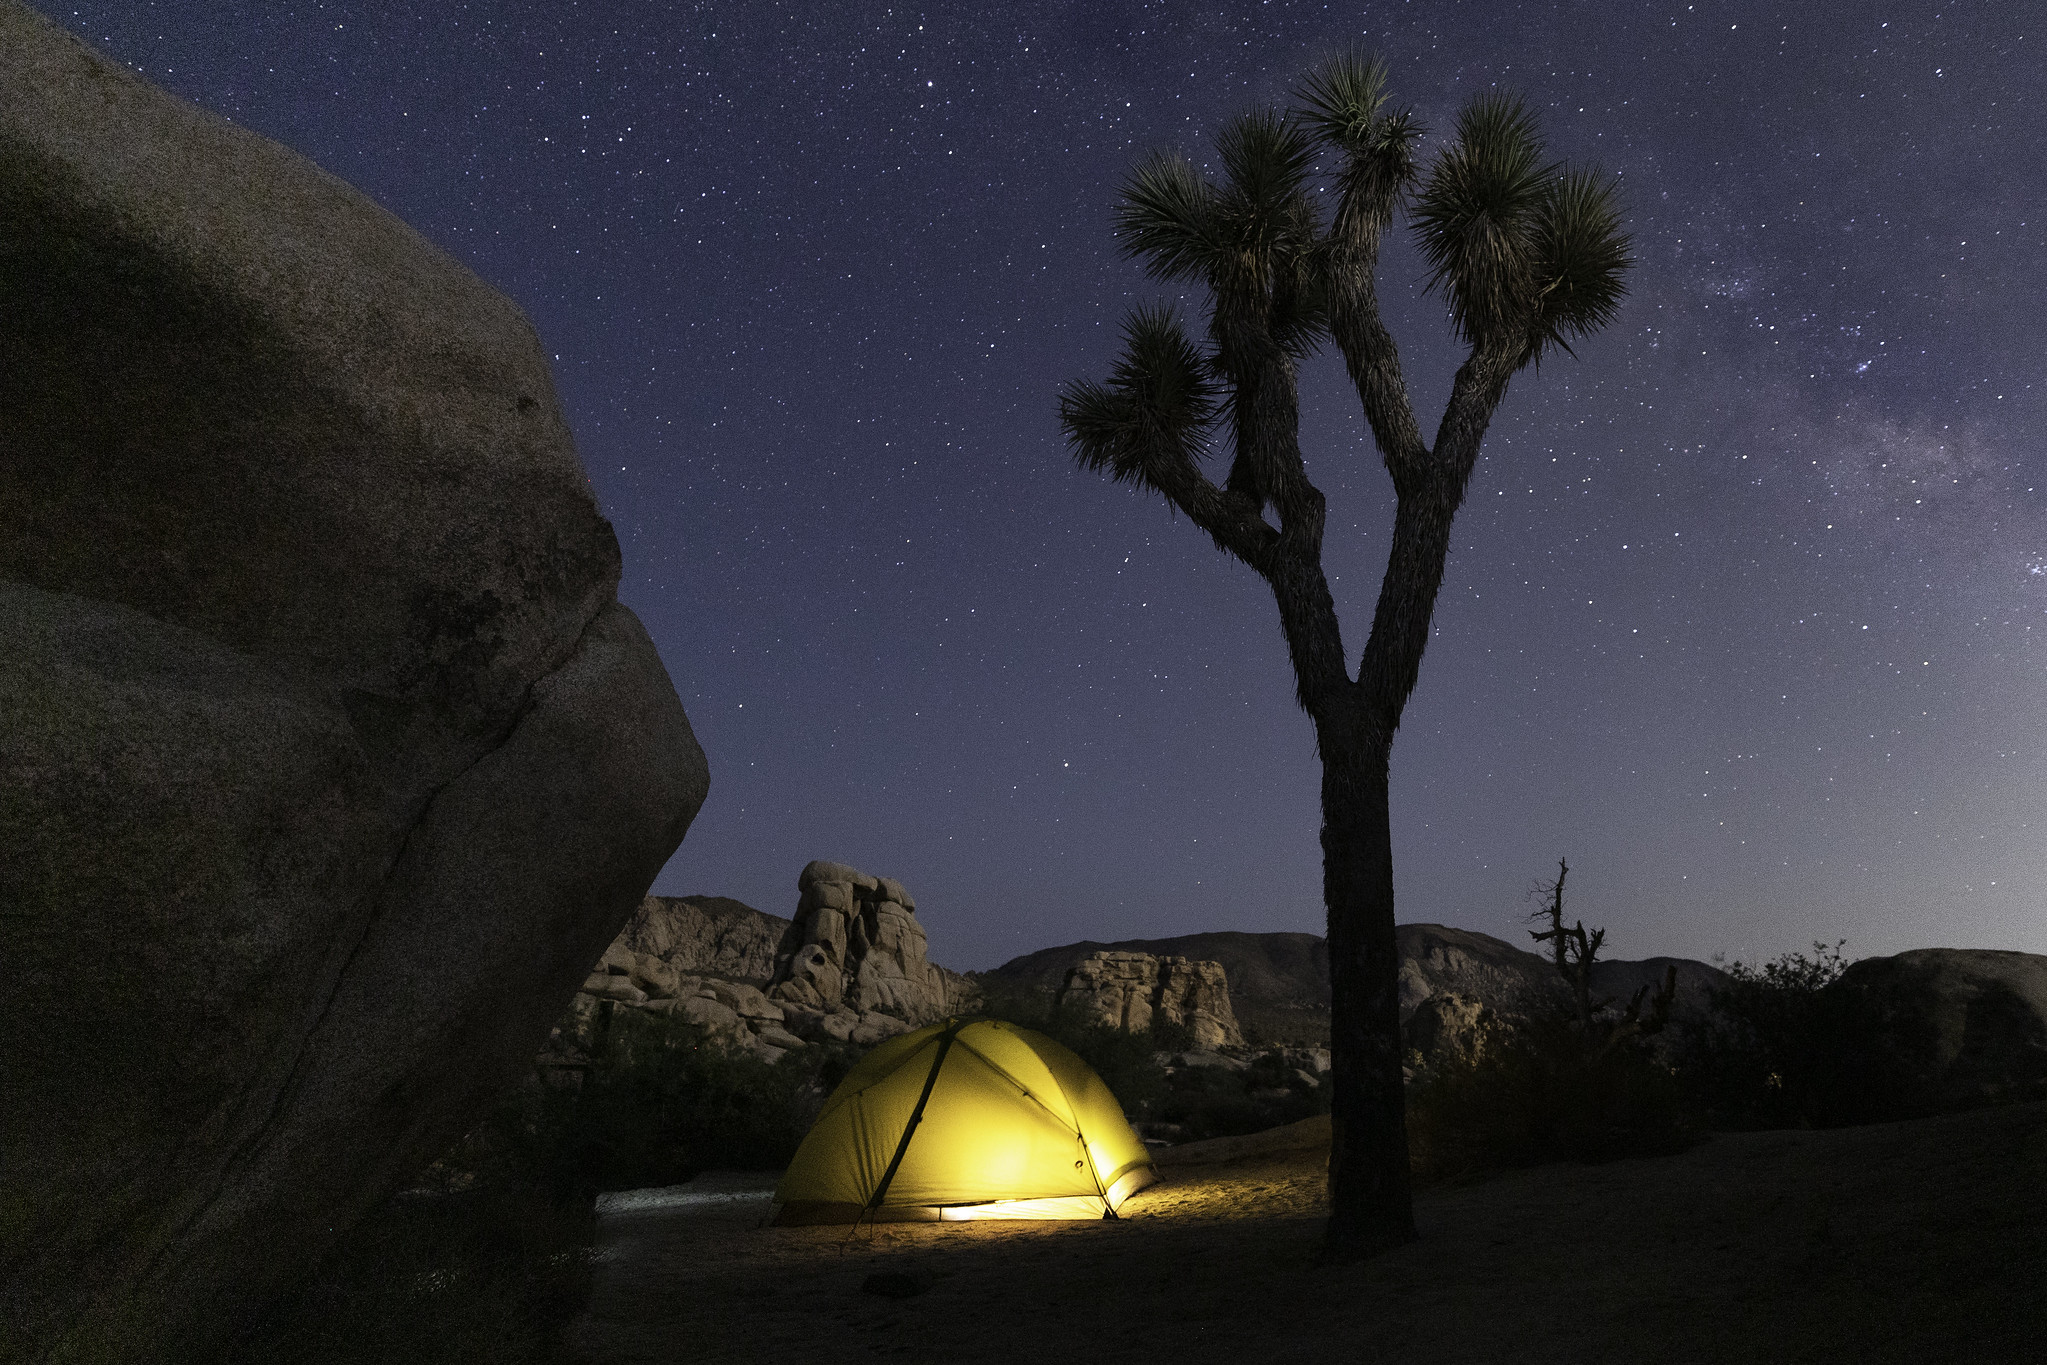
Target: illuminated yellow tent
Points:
(966, 1119)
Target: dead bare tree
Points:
(1574, 949)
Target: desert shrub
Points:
(1547, 1090)
(1126, 1062)
(1779, 1049)
(1587, 1085)
(1167, 1036)
(1200, 1102)
(658, 1103)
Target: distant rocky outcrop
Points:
(1941, 1028)
(328, 759)
(1438, 960)
(1279, 983)
(1136, 991)
(856, 945)
(850, 967)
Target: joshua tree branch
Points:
(1289, 560)
(1314, 638)
(1430, 486)
(1474, 397)
(1265, 411)
(1407, 599)
(1369, 352)
(1231, 518)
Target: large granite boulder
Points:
(1137, 991)
(1448, 1030)
(1278, 983)
(1436, 959)
(701, 958)
(1941, 1029)
(328, 760)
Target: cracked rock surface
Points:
(328, 759)
(851, 967)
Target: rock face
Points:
(1278, 983)
(1449, 1029)
(852, 965)
(323, 738)
(1436, 959)
(705, 936)
(1137, 990)
(763, 984)
(704, 958)
(1951, 1028)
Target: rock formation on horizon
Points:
(328, 759)
(1279, 982)
(1136, 991)
(1946, 1028)
(856, 943)
(710, 936)
(1953, 1028)
(851, 967)
(853, 964)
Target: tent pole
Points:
(1087, 1155)
(952, 1029)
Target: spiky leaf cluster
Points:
(1150, 419)
(1527, 253)
(1250, 238)
(1343, 103)
(1581, 260)
(1167, 219)
(1474, 216)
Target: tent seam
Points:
(1025, 1091)
(945, 1042)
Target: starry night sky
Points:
(1747, 610)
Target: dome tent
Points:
(966, 1119)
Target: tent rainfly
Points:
(962, 1120)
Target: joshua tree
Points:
(1527, 255)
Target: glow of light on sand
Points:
(675, 1197)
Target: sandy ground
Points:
(1920, 1242)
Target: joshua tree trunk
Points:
(1369, 1203)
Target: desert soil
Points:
(1921, 1242)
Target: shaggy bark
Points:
(1370, 1205)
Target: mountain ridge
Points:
(1279, 981)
